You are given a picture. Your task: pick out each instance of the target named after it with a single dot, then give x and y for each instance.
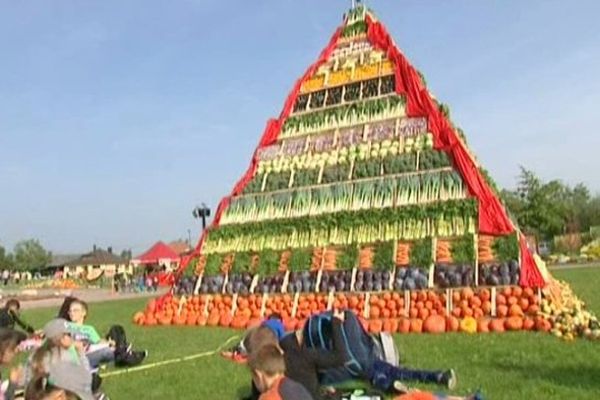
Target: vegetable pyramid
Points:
(364, 169)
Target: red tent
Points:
(158, 253)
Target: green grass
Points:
(507, 366)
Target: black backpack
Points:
(124, 355)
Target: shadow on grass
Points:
(585, 377)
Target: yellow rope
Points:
(172, 361)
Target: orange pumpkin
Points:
(192, 319)
(485, 295)
(513, 323)
(515, 311)
(528, 324)
(517, 291)
(467, 293)
(139, 318)
(150, 320)
(201, 321)
(502, 311)
(452, 324)
(435, 324)
(483, 325)
(542, 325)
(497, 325)
(375, 312)
(404, 325)
(416, 325)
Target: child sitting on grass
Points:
(58, 348)
(9, 347)
(268, 374)
(9, 317)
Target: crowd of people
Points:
(330, 349)
(62, 358)
(16, 277)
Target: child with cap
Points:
(58, 347)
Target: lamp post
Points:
(203, 212)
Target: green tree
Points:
(6, 259)
(30, 255)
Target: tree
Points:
(6, 259)
(30, 255)
(126, 254)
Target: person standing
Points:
(5, 276)
(17, 277)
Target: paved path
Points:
(88, 295)
(559, 267)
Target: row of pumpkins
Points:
(424, 311)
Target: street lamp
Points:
(203, 212)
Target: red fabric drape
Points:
(493, 218)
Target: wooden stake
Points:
(353, 281)
(234, 304)
(254, 283)
(493, 301)
(407, 303)
(295, 305)
(263, 305)
(198, 283)
(208, 301)
(330, 299)
(367, 310)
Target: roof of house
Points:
(97, 257)
(180, 246)
(59, 260)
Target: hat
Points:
(72, 377)
(56, 328)
(276, 326)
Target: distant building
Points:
(97, 259)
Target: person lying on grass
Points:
(267, 365)
(303, 364)
(9, 347)
(365, 363)
(10, 316)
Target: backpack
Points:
(124, 355)
(362, 349)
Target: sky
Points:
(118, 117)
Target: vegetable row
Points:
(344, 115)
(408, 189)
(359, 168)
(450, 218)
(345, 93)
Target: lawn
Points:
(506, 366)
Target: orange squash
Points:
(435, 324)
(139, 318)
(497, 325)
(416, 325)
(515, 311)
(528, 324)
(513, 323)
(483, 325)
(452, 324)
(404, 325)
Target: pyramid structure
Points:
(364, 163)
(363, 195)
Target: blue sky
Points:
(117, 118)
